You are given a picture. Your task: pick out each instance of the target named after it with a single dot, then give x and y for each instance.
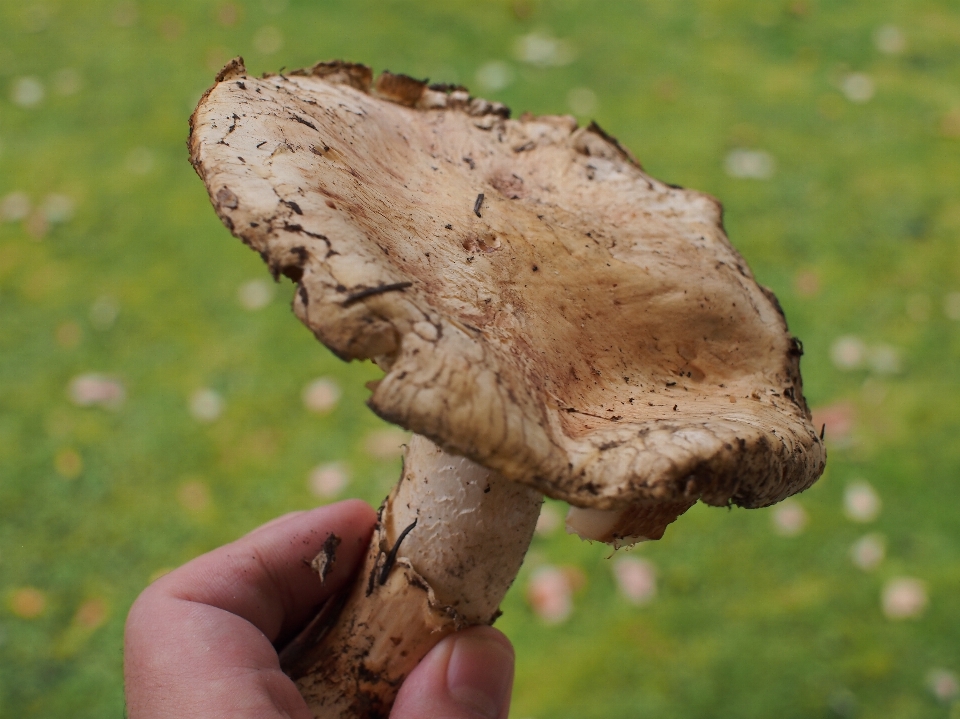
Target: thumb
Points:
(468, 675)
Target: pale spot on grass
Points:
(494, 75)
(890, 40)
(904, 598)
(541, 49)
(386, 444)
(28, 602)
(92, 613)
(125, 14)
(582, 101)
(868, 552)
(193, 495)
(750, 164)
(328, 480)
(550, 594)
(27, 92)
(68, 463)
(104, 312)
(858, 87)
(848, 352)
(206, 405)
(15, 207)
(636, 579)
(96, 390)
(789, 518)
(807, 283)
(140, 161)
(885, 359)
(255, 294)
(837, 419)
(228, 14)
(57, 208)
(321, 395)
(268, 40)
(861, 503)
(274, 7)
(943, 684)
(67, 81)
(951, 306)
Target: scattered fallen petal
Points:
(28, 602)
(582, 101)
(206, 405)
(104, 312)
(328, 480)
(789, 518)
(750, 164)
(807, 283)
(858, 87)
(27, 92)
(386, 443)
(885, 359)
(837, 419)
(268, 40)
(15, 207)
(549, 520)
(904, 598)
(868, 552)
(543, 50)
(37, 225)
(193, 495)
(321, 395)
(890, 40)
(636, 579)
(550, 594)
(68, 463)
(943, 684)
(494, 75)
(96, 390)
(848, 352)
(255, 294)
(861, 503)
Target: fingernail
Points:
(480, 674)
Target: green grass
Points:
(863, 211)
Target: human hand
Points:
(201, 641)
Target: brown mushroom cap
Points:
(539, 304)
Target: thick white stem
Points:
(462, 532)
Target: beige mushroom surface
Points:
(539, 304)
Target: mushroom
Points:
(550, 320)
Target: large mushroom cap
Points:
(538, 303)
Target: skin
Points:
(201, 641)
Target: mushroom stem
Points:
(450, 541)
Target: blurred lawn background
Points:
(158, 398)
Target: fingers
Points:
(198, 641)
(469, 675)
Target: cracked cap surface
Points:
(538, 302)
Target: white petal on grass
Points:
(951, 306)
(57, 208)
(904, 598)
(636, 579)
(543, 50)
(494, 75)
(386, 443)
(104, 312)
(885, 359)
(750, 164)
(549, 520)
(789, 518)
(582, 101)
(206, 405)
(255, 294)
(27, 92)
(268, 40)
(861, 503)
(321, 395)
(328, 480)
(550, 594)
(15, 207)
(848, 352)
(890, 40)
(868, 552)
(943, 684)
(96, 390)
(140, 161)
(67, 81)
(858, 87)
